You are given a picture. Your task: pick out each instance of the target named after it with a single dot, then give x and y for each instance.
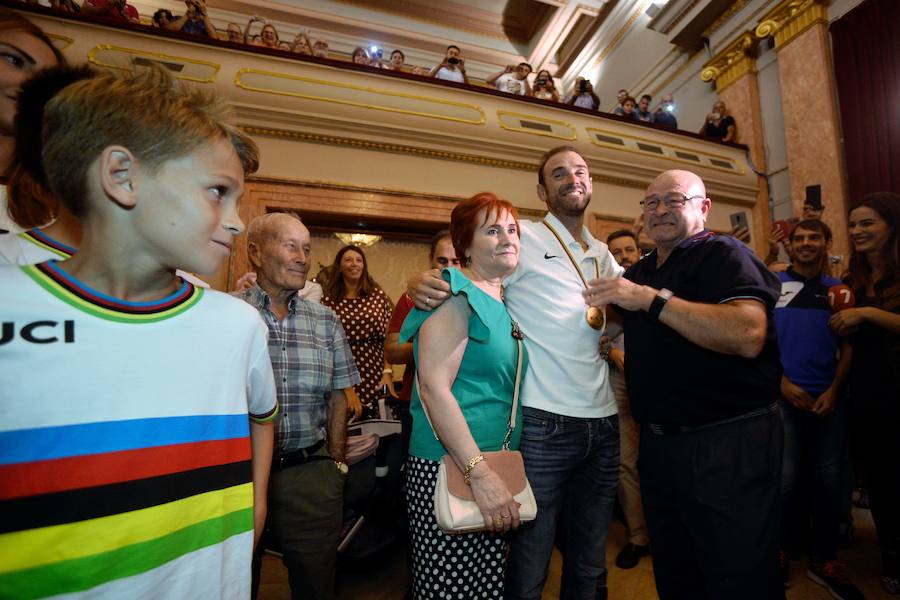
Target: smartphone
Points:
(453, 60)
(739, 220)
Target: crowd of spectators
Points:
(518, 79)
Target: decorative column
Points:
(734, 71)
(809, 102)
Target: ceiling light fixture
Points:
(362, 240)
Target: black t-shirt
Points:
(674, 381)
(722, 130)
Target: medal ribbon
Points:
(572, 257)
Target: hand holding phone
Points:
(739, 220)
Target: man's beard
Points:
(560, 205)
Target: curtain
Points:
(866, 45)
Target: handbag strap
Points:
(515, 401)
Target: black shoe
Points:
(631, 555)
(784, 567)
(833, 576)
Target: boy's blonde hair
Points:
(157, 118)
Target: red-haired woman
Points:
(874, 329)
(466, 357)
(365, 311)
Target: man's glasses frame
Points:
(672, 201)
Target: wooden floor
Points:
(390, 580)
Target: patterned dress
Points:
(365, 321)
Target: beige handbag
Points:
(454, 505)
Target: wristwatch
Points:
(659, 302)
(342, 467)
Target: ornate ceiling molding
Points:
(620, 35)
(732, 62)
(725, 17)
(790, 18)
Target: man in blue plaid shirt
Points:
(313, 366)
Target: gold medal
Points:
(595, 318)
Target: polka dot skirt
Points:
(462, 566)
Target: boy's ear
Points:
(117, 175)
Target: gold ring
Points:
(498, 521)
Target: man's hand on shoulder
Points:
(428, 290)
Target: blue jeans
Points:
(573, 467)
(814, 446)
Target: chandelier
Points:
(358, 239)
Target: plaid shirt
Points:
(310, 357)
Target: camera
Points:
(540, 82)
(583, 85)
(453, 60)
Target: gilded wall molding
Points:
(790, 18)
(310, 88)
(340, 186)
(60, 41)
(103, 55)
(732, 62)
(332, 140)
(556, 128)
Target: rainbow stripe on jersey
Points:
(71, 291)
(41, 239)
(83, 505)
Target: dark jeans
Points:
(305, 513)
(711, 497)
(573, 467)
(814, 446)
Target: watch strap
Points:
(659, 302)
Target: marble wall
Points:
(812, 127)
(742, 100)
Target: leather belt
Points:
(671, 428)
(298, 457)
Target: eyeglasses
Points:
(672, 201)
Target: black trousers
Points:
(711, 498)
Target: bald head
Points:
(267, 226)
(686, 182)
(671, 221)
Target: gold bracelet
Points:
(467, 472)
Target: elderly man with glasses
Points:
(703, 375)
